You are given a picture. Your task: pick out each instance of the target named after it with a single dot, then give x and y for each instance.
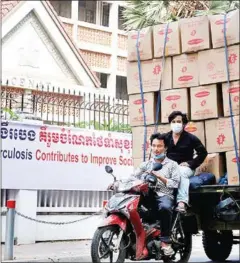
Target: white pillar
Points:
(75, 19)
(111, 85)
(98, 12)
(26, 203)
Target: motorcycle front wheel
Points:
(103, 248)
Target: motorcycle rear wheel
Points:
(100, 248)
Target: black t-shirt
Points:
(183, 151)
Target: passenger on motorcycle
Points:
(168, 180)
(181, 146)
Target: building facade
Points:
(97, 29)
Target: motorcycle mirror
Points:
(108, 169)
(157, 166)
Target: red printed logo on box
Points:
(193, 33)
(234, 90)
(221, 21)
(174, 106)
(220, 139)
(185, 78)
(162, 32)
(157, 70)
(232, 58)
(202, 94)
(136, 36)
(137, 102)
(203, 103)
(195, 41)
(184, 69)
(173, 97)
(234, 160)
(210, 66)
(236, 99)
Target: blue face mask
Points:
(159, 156)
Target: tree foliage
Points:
(140, 13)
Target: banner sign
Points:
(62, 158)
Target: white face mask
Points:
(176, 127)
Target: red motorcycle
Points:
(130, 230)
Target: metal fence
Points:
(63, 201)
(83, 110)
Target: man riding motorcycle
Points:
(168, 180)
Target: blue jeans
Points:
(165, 210)
(183, 190)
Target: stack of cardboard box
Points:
(194, 81)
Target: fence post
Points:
(9, 235)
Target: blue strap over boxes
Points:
(229, 95)
(141, 90)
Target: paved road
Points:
(79, 251)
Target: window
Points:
(63, 8)
(87, 11)
(120, 17)
(121, 88)
(105, 14)
(103, 79)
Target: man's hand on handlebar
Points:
(149, 171)
(111, 187)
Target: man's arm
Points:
(201, 154)
(135, 175)
(172, 182)
(139, 171)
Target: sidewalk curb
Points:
(82, 258)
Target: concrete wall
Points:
(28, 232)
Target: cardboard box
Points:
(197, 129)
(138, 138)
(234, 91)
(212, 65)
(173, 46)
(205, 102)
(219, 136)
(195, 33)
(151, 76)
(232, 29)
(145, 44)
(136, 111)
(172, 100)
(232, 169)
(185, 71)
(212, 164)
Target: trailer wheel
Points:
(217, 244)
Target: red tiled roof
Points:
(7, 6)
